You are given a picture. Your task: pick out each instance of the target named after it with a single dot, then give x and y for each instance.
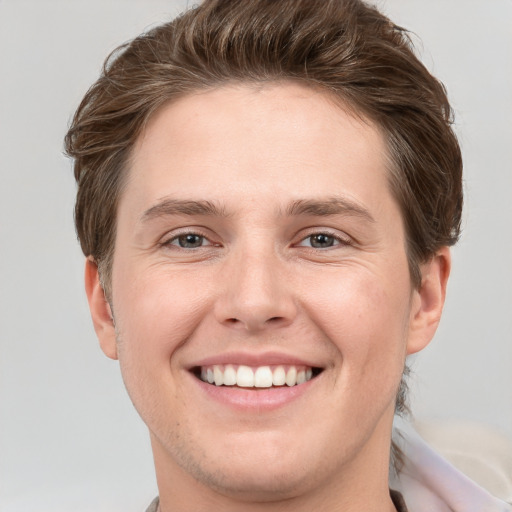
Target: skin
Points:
(259, 283)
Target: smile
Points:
(256, 377)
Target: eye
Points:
(322, 241)
(189, 241)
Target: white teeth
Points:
(291, 376)
(218, 376)
(260, 377)
(229, 375)
(263, 377)
(279, 376)
(245, 377)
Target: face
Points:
(261, 293)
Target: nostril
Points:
(253, 323)
(275, 319)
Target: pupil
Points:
(322, 240)
(189, 241)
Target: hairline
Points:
(336, 97)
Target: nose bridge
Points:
(256, 293)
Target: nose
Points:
(256, 293)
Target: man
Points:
(267, 193)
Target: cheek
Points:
(156, 312)
(366, 319)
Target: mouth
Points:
(247, 377)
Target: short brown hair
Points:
(344, 47)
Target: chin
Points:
(257, 483)
(263, 470)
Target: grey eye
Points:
(189, 241)
(321, 241)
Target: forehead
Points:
(284, 138)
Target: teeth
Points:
(260, 377)
(244, 377)
(218, 376)
(291, 376)
(279, 376)
(263, 377)
(229, 375)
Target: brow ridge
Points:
(169, 206)
(299, 207)
(328, 207)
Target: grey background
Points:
(69, 437)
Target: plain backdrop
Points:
(69, 437)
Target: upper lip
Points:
(255, 360)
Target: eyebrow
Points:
(182, 207)
(300, 207)
(328, 207)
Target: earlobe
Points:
(100, 310)
(428, 301)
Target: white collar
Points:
(429, 482)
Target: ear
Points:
(428, 301)
(101, 313)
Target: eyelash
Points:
(337, 240)
(175, 240)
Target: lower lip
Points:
(254, 399)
